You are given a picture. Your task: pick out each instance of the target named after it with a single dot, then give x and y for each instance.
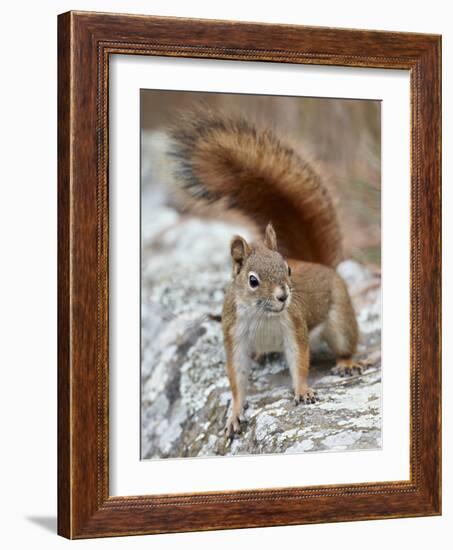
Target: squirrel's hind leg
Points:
(347, 367)
(341, 333)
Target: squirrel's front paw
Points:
(233, 426)
(306, 396)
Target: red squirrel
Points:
(284, 285)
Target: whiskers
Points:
(269, 304)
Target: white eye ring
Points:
(254, 280)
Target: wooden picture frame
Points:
(85, 42)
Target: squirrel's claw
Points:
(307, 397)
(233, 426)
(347, 369)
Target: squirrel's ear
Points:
(240, 250)
(270, 238)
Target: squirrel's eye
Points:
(253, 281)
(289, 271)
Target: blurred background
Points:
(343, 136)
(186, 265)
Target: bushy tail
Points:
(221, 158)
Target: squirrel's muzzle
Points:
(281, 294)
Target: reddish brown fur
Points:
(317, 297)
(251, 170)
(228, 162)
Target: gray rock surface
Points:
(185, 392)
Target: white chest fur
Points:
(262, 333)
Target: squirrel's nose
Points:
(282, 297)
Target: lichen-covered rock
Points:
(185, 391)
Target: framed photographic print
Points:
(249, 275)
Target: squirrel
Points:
(283, 286)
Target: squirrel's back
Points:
(228, 159)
